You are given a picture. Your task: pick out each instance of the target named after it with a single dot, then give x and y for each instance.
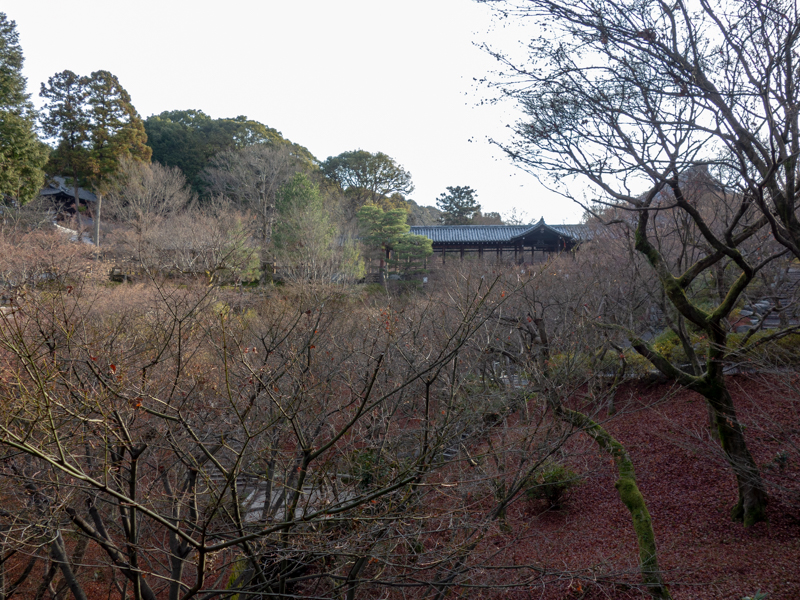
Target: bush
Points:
(552, 483)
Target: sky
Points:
(392, 77)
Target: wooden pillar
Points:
(462, 252)
(480, 253)
(444, 254)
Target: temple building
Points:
(536, 241)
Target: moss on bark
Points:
(630, 495)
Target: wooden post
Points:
(97, 207)
(462, 252)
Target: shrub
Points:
(552, 483)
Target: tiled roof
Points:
(58, 186)
(576, 232)
(471, 233)
(476, 234)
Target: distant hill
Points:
(423, 215)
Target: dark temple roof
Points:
(59, 188)
(497, 234)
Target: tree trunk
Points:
(630, 495)
(76, 562)
(752, 503)
(59, 556)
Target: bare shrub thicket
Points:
(171, 440)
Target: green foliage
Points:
(781, 351)
(409, 254)
(303, 234)
(65, 120)
(668, 344)
(381, 229)
(93, 124)
(244, 263)
(458, 205)
(367, 176)
(116, 131)
(759, 595)
(369, 468)
(188, 139)
(552, 482)
(351, 263)
(22, 155)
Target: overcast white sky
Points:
(388, 76)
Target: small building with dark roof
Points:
(62, 196)
(499, 239)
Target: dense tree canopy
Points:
(386, 232)
(116, 130)
(188, 139)
(458, 205)
(367, 176)
(65, 121)
(22, 155)
(93, 124)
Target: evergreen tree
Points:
(303, 234)
(22, 155)
(367, 177)
(189, 139)
(94, 126)
(458, 205)
(66, 122)
(115, 129)
(381, 229)
(409, 254)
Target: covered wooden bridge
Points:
(540, 240)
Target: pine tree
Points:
(22, 155)
(458, 205)
(409, 254)
(381, 229)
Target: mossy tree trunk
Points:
(626, 485)
(751, 505)
(629, 493)
(752, 499)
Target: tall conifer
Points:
(22, 155)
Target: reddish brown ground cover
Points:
(689, 490)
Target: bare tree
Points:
(654, 106)
(143, 194)
(251, 177)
